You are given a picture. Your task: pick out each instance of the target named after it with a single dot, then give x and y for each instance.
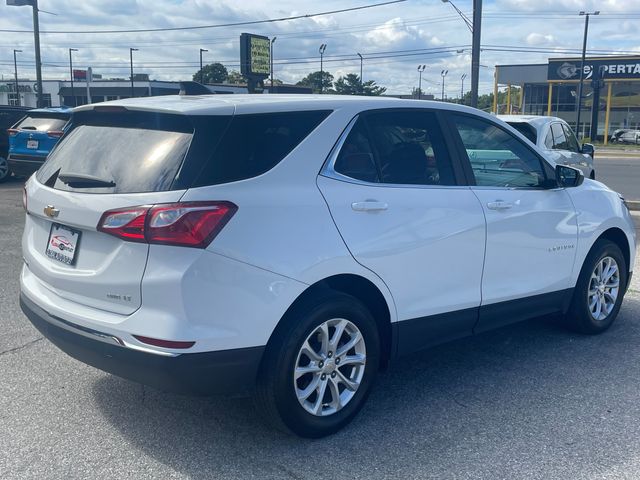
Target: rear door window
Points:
(255, 143)
(42, 124)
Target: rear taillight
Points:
(187, 224)
(12, 132)
(55, 133)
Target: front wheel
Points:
(599, 290)
(320, 366)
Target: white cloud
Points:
(540, 39)
(419, 24)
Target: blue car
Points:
(33, 137)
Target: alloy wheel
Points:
(604, 288)
(329, 367)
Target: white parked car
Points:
(630, 136)
(291, 246)
(556, 139)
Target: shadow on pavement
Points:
(528, 399)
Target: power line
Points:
(220, 25)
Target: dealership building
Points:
(60, 92)
(551, 89)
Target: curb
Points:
(633, 205)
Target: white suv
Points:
(290, 246)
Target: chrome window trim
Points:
(328, 169)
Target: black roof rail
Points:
(194, 88)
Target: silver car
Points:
(556, 138)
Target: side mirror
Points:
(588, 149)
(568, 176)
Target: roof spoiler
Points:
(194, 88)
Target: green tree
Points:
(485, 102)
(350, 84)
(212, 73)
(313, 80)
(236, 78)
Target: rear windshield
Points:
(526, 130)
(42, 124)
(133, 159)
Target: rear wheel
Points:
(4, 169)
(320, 366)
(599, 290)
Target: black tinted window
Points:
(135, 159)
(526, 130)
(498, 159)
(254, 144)
(355, 159)
(407, 147)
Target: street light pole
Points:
(273, 40)
(464, 75)
(75, 103)
(323, 47)
(443, 73)
(131, 50)
(36, 40)
(361, 84)
(584, 53)
(201, 73)
(15, 70)
(420, 70)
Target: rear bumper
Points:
(25, 165)
(226, 372)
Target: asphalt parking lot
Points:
(527, 401)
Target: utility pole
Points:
(464, 75)
(584, 53)
(475, 51)
(420, 70)
(474, 27)
(36, 40)
(201, 73)
(75, 103)
(323, 47)
(443, 73)
(131, 50)
(15, 69)
(273, 40)
(361, 84)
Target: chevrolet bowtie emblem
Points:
(51, 211)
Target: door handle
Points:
(499, 205)
(369, 206)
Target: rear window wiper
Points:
(80, 180)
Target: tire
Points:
(5, 173)
(277, 393)
(581, 316)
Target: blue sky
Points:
(551, 25)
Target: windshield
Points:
(117, 159)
